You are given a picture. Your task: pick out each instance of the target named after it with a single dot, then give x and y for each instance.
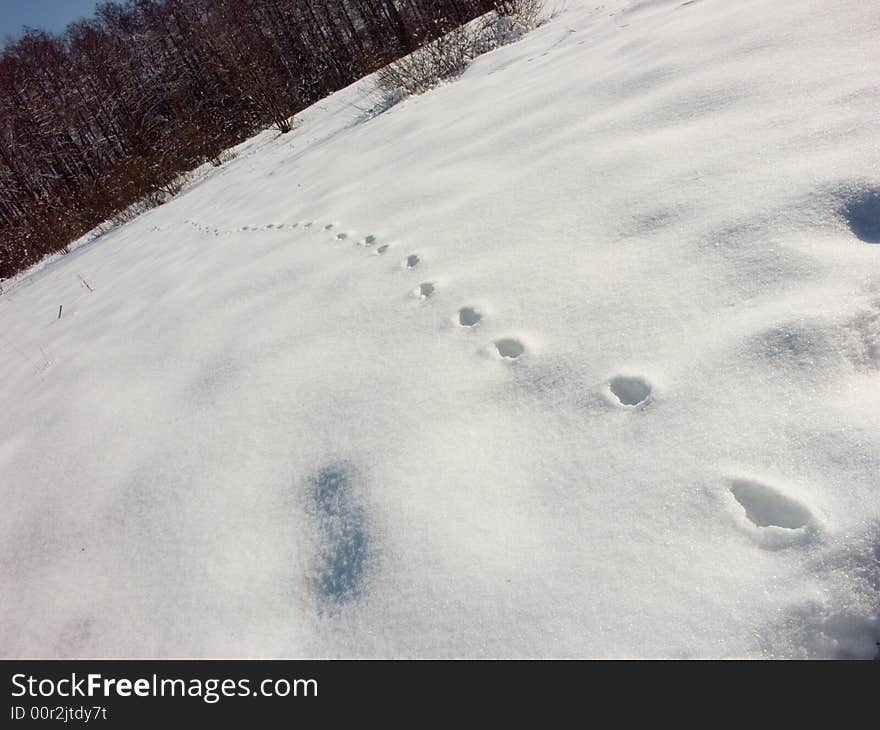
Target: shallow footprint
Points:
(382, 249)
(630, 390)
(328, 227)
(468, 316)
(369, 240)
(340, 565)
(341, 236)
(509, 348)
(768, 507)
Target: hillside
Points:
(576, 355)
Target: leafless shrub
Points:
(128, 214)
(175, 185)
(449, 55)
(526, 13)
(434, 62)
(221, 158)
(153, 199)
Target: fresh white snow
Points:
(577, 355)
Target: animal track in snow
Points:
(630, 390)
(468, 317)
(241, 229)
(509, 348)
(862, 215)
(768, 507)
(207, 230)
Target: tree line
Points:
(113, 110)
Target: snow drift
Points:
(578, 355)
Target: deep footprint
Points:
(468, 316)
(862, 214)
(630, 391)
(425, 289)
(768, 507)
(509, 348)
(369, 240)
(411, 261)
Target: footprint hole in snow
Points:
(862, 215)
(509, 348)
(382, 249)
(369, 240)
(468, 316)
(328, 227)
(425, 290)
(768, 507)
(411, 261)
(630, 390)
(341, 236)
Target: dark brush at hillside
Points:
(115, 109)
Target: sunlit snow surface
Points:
(578, 355)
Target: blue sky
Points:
(51, 15)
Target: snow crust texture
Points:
(577, 355)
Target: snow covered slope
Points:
(282, 421)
